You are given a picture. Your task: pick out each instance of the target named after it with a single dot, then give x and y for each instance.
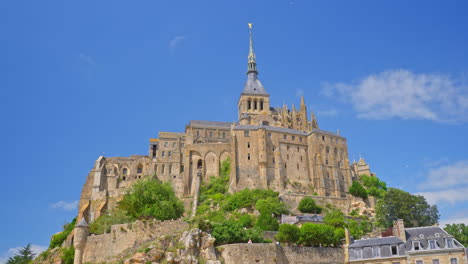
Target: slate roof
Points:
(310, 218)
(210, 123)
(376, 242)
(424, 234)
(82, 223)
(270, 128)
(253, 85)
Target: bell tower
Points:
(254, 100)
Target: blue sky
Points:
(84, 78)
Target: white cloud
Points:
(406, 95)
(443, 222)
(455, 174)
(68, 206)
(451, 196)
(176, 41)
(87, 59)
(37, 249)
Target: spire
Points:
(253, 84)
(252, 65)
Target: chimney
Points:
(399, 229)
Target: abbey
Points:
(269, 147)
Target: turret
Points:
(81, 235)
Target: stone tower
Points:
(254, 101)
(81, 234)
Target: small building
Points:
(418, 245)
(299, 220)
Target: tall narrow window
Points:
(453, 261)
(246, 133)
(181, 168)
(154, 151)
(169, 154)
(139, 170)
(224, 134)
(285, 137)
(248, 156)
(124, 171)
(249, 104)
(248, 144)
(200, 164)
(261, 105)
(432, 244)
(198, 133)
(170, 169)
(300, 139)
(416, 245)
(163, 154)
(273, 160)
(211, 134)
(449, 242)
(255, 104)
(293, 138)
(394, 250)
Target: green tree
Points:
(358, 190)
(24, 256)
(149, 198)
(271, 205)
(288, 234)
(308, 205)
(335, 218)
(247, 198)
(459, 232)
(413, 209)
(374, 186)
(317, 234)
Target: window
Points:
(376, 251)
(248, 156)
(293, 138)
(326, 162)
(139, 170)
(269, 135)
(416, 245)
(211, 134)
(181, 168)
(248, 144)
(432, 244)
(285, 137)
(394, 250)
(419, 262)
(170, 169)
(169, 154)
(301, 158)
(449, 242)
(198, 133)
(224, 134)
(125, 171)
(199, 164)
(323, 138)
(163, 154)
(285, 165)
(358, 253)
(110, 171)
(273, 160)
(435, 261)
(255, 104)
(273, 149)
(154, 151)
(453, 261)
(300, 139)
(246, 133)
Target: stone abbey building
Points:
(269, 148)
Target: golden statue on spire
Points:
(250, 25)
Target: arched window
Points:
(248, 156)
(249, 104)
(140, 170)
(124, 171)
(199, 164)
(261, 104)
(255, 104)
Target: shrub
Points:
(246, 220)
(271, 205)
(57, 239)
(230, 231)
(308, 205)
(358, 190)
(316, 234)
(103, 223)
(288, 233)
(68, 255)
(266, 222)
(149, 198)
(335, 218)
(247, 198)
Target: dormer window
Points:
(394, 249)
(432, 244)
(416, 245)
(449, 242)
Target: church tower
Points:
(254, 101)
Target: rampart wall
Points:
(273, 254)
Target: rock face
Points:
(197, 244)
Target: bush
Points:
(231, 231)
(149, 198)
(103, 223)
(266, 222)
(335, 218)
(68, 255)
(271, 205)
(308, 205)
(247, 198)
(246, 220)
(288, 233)
(358, 190)
(57, 239)
(316, 234)
(375, 187)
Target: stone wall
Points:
(100, 248)
(273, 254)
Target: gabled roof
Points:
(424, 234)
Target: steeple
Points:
(253, 85)
(252, 64)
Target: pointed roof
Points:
(253, 85)
(82, 223)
